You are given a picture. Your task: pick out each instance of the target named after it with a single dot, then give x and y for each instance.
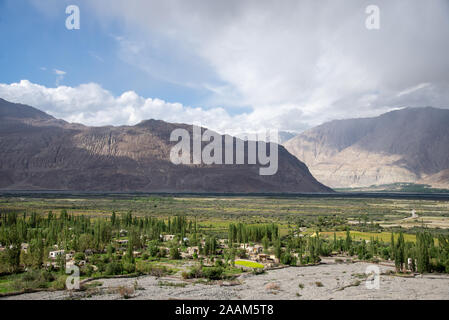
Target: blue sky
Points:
(36, 39)
(229, 65)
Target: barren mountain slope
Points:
(408, 145)
(40, 152)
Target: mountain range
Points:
(407, 145)
(40, 152)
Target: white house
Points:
(168, 237)
(69, 256)
(24, 247)
(192, 250)
(55, 254)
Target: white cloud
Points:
(90, 104)
(413, 89)
(59, 76)
(314, 57)
(294, 63)
(59, 72)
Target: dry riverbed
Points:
(327, 281)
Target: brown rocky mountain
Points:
(39, 152)
(407, 145)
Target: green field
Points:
(249, 264)
(214, 213)
(215, 225)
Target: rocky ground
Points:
(327, 281)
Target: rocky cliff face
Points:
(408, 145)
(39, 152)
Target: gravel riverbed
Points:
(322, 282)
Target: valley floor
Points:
(327, 281)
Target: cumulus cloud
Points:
(91, 104)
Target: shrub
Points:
(152, 270)
(129, 267)
(195, 272)
(59, 283)
(212, 273)
(33, 279)
(257, 271)
(272, 286)
(114, 268)
(104, 259)
(79, 256)
(219, 263)
(161, 253)
(174, 253)
(153, 250)
(437, 265)
(87, 270)
(126, 292)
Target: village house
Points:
(186, 255)
(122, 242)
(24, 247)
(272, 258)
(137, 253)
(121, 249)
(192, 250)
(69, 255)
(55, 254)
(123, 233)
(251, 250)
(253, 257)
(167, 237)
(262, 257)
(222, 243)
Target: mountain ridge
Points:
(40, 152)
(406, 145)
